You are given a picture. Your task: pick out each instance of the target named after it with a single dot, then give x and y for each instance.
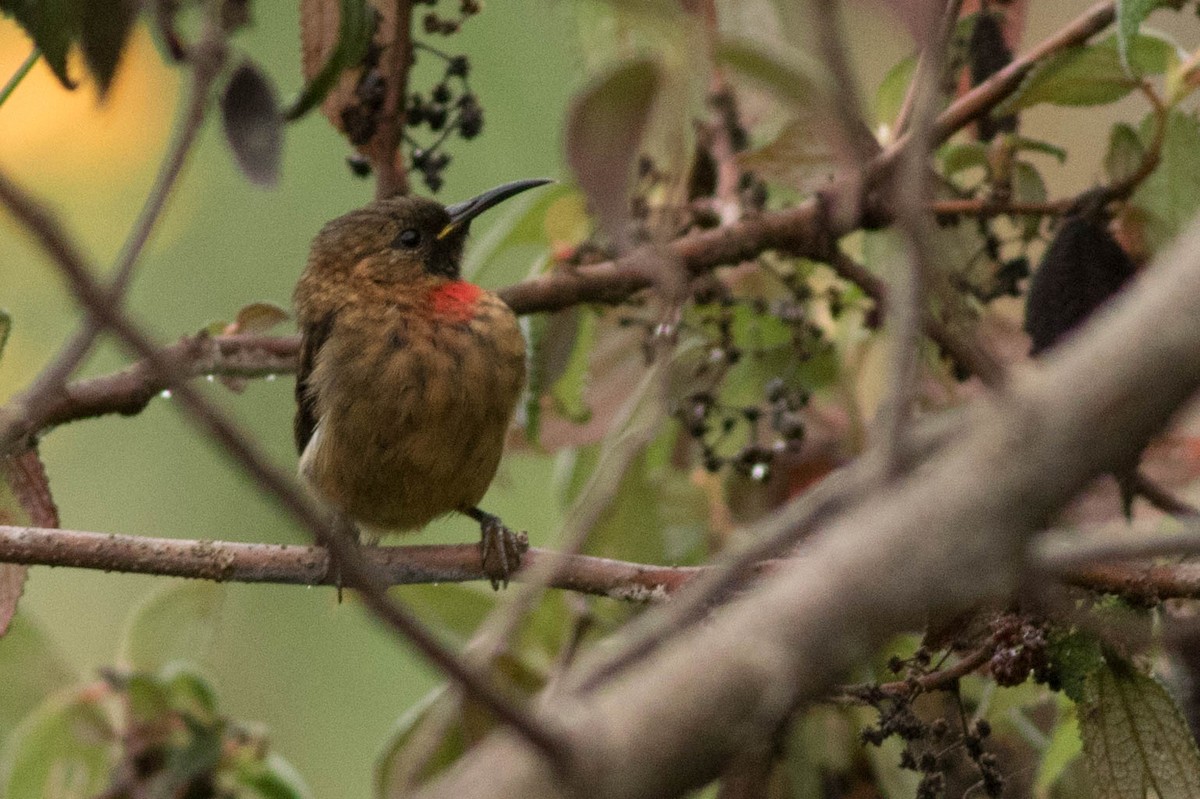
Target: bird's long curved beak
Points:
(462, 213)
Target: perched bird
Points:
(408, 374)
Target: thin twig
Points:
(356, 573)
(19, 75)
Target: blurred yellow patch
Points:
(51, 135)
(567, 222)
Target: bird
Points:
(408, 375)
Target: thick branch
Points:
(947, 536)
(228, 561)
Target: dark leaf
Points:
(1082, 268)
(53, 25)
(989, 54)
(353, 38)
(253, 124)
(604, 131)
(104, 31)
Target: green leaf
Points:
(1026, 144)
(66, 750)
(1135, 738)
(605, 126)
(253, 124)
(1170, 196)
(188, 692)
(1125, 152)
(391, 763)
(32, 668)
(354, 37)
(273, 778)
(1130, 15)
(1028, 187)
(1065, 745)
(53, 25)
(104, 30)
(1075, 656)
(889, 97)
(960, 156)
(173, 624)
(1092, 74)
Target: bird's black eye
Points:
(409, 237)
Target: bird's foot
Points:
(346, 527)
(500, 549)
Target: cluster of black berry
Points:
(449, 107)
(768, 427)
(435, 23)
(934, 748)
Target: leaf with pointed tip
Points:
(1093, 74)
(253, 125)
(605, 126)
(1130, 16)
(53, 25)
(104, 31)
(1135, 738)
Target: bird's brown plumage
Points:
(408, 376)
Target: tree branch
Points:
(948, 535)
(229, 561)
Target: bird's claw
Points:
(500, 550)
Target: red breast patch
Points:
(455, 301)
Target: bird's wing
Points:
(312, 338)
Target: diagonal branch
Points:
(949, 534)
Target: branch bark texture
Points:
(949, 534)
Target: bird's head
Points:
(403, 240)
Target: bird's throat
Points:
(455, 300)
